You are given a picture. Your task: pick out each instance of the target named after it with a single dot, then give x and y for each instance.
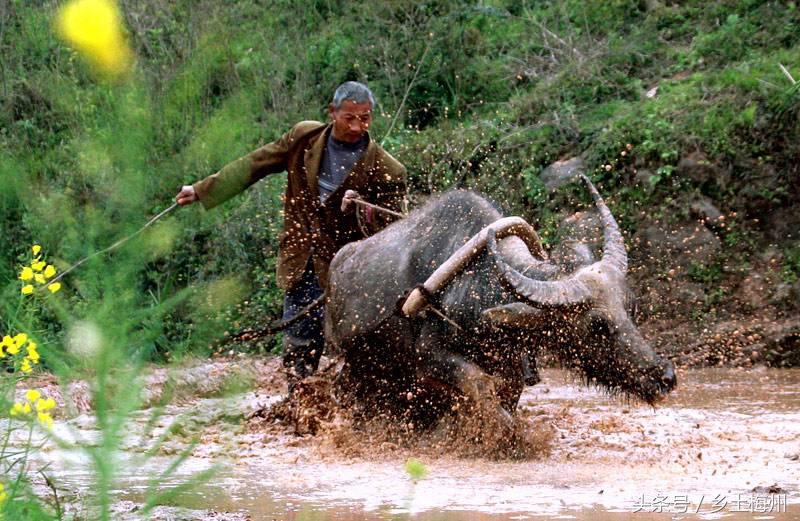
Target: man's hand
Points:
(187, 195)
(348, 201)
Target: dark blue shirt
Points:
(337, 161)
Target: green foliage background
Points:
(505, 88)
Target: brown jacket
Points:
(310, 228)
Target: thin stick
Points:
(49, 483)
(113, 246)
(547, 31)
(405, 96)
(379, 208)
(787, 73)
(445, 318)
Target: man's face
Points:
(351, 120)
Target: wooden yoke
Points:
(503, 228)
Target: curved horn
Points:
(614, 252)
(444, 273)
(548, 293)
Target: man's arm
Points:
(238, 175)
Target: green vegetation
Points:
(485, 95)
(791, 265)
(503, 89)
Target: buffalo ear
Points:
(516, 315)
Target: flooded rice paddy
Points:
(724, 445)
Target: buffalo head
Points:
(582, 318)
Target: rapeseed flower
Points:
(33, 354)
(94, 29)
(45, 419)
(39, 272)
(12, 346)
(5, 343)
(20, 409)
(35, 402)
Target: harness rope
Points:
(277, 325)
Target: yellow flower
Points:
(94, 28)
(26, 273)
(20, 339)
(39, 278)
(27, 290)
(45, 419)
(45, 404)
(36, 249)
(49, 271)
(33, 354)
(17, 409)
(38, 265)
(3, 494)
(25, 366)
(32, 395)
(55, 286)
(13, 348)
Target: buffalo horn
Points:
(614, 252)
(546, 293)
(444, 273)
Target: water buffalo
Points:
(484, 296)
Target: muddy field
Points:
(726, 444)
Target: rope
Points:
(363, 203)
(113, 246)
(274, 327)
(279, 325)
(360, 219)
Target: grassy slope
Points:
(504, 89)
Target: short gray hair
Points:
(352, 91)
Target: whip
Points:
(113, 246)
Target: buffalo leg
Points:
(454, 371)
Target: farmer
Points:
(323, 161)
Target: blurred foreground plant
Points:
(94, 28)
(18, 353)
(104, 328)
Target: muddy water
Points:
(726, 444)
